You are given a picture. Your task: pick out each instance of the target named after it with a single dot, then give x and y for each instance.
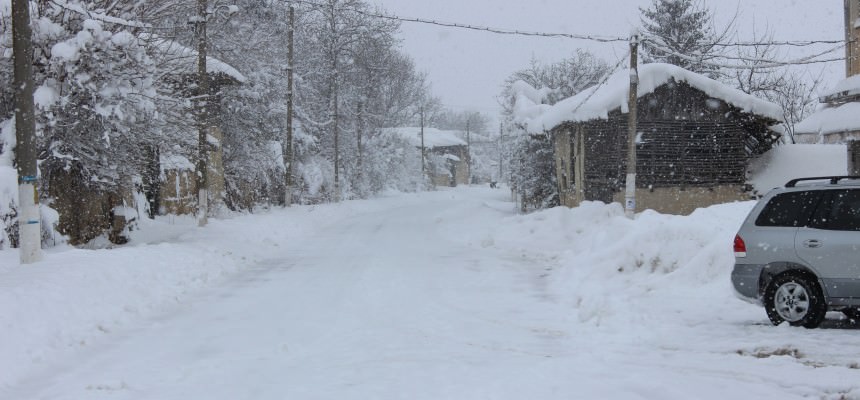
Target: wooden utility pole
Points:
(630, 192)
(423, 162)
(29, 220)
(202, 115)
(288, 145)
(501, 151)
(468, 151)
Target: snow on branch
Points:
(77, 8)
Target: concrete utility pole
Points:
(29, 220)
(202, 115)
(630, 192)
(288, 146)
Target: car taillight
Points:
(740, 247)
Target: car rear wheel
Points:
(795, 299)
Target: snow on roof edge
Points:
(597, 101)
(847, 87)
(830, 120)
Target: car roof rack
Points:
(833, 180)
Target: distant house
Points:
(838, 121)
(446, 153)
(182, 62)
(695, 139)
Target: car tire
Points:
(796, 299)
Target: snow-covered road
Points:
(450, 295)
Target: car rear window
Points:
(788, 209)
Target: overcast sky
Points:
(467, 68)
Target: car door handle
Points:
(812, 243)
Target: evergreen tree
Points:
(681, 32)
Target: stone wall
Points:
(684, 201)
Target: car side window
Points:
(788, 209)
(840, 212)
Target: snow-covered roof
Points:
(829, 120)
(844, 88)
(784, 163)
(184, 59)
(432, 137)
(598, 101)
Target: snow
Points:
(830, 120)
(597, 101)
(45, 96)
(439, 295)
(175, 162)
(432, 137)
(784, 163)
(847, 87)
(184, 59)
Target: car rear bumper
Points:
(745, 279)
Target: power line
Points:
(595, 38)
(759, 63)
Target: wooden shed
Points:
(695, 138)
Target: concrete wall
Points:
(683, 202)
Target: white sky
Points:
(467, 68)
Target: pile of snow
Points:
(432, 137)
(784, 163)
(598, 101)
(616, 272)
(8, 179)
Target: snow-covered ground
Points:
(441, 295)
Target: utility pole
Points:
(202, 115)
(423, 162)
(630, 192)
(333, 106)
(29, 220)
(501, 152)
(288, 146)
(468, 151)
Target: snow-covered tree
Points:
(530, 157)
(682, 33)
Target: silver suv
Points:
(798, 251)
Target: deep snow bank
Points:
(615, 271)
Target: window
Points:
(788, 209)
(839, 212)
